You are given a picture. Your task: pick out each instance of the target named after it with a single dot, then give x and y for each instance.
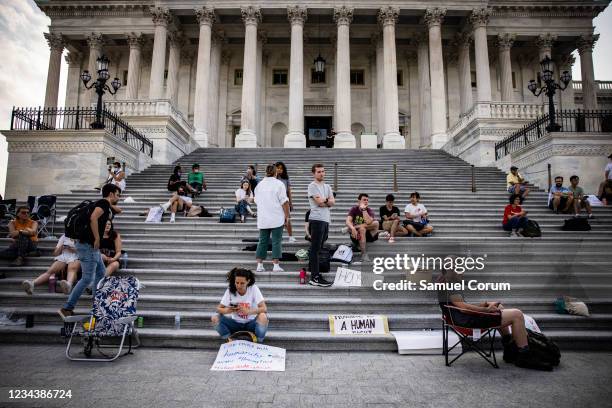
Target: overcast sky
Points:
(24, 58)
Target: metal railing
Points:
(76, 119)
(597, 121)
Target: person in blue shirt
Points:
(560, 199)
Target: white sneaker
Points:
(292, 240)
(383, 235)
(260, 268)
(28, 286)
(172, 218)
(66, 286)
(277, 268)
(344, 230)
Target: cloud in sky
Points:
(24, 59)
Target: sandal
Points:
(391, 240)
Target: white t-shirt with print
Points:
(251, 298)
(415, 211)
(241, 194)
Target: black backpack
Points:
(76, 224)
(576, 224)
(532, 230)
(543, 348)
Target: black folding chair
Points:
(43, 210)
(468, 337)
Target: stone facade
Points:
(237, 74)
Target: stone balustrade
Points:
(602, 86)
(159, 107)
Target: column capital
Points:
(135, 40)
(56, 41)
(586, 43)
(343, 15)
(505, 41)
(251, 15)
(480, 17)
(388, 15)
(434, 16)
(95, 40)
(565, 61)
(463, 39)
(297, 14)
(176, 39)
(74, 58)
(160, 15)
(546, 40)
(205, 15)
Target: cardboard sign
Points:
(424, 342)
(358, 325)
(347, 278)
(244, 355)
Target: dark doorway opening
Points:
(316, 129)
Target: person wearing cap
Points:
(516, 183)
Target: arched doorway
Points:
(357, 130)
(279, 130)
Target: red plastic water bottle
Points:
(52, 281)
(302, 276)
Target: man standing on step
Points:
(321, 199)
(272, 216)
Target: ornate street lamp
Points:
(101, 87)
(550, 89)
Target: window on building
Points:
(279, 76)
(125, 76)
(513, 80)
(400, 78)
(357, 77)
(238, 77)
(473, 78)
(317, 77)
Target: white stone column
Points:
(504, 45)
(295, 137)
(224, 134)
(453, 91)
(206, 18)
(251, 15)
(185, 81)
(56, 44)
(380, 85)
(463, 42)
(568, 97)
(213, 94)
(135, 42)
(95, 42)
(73, 81)
(586, 43)
(479, 19)
(387, 17)
(161, 19)
(433, 18)
(174, 62)
(422, 42)
(262, 39)
(344, 138)
(415, 120)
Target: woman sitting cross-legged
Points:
(65, 258)
(110, 248)
(242, 307)
(244, 199)
(515, 218)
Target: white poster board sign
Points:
(244, 355)
(358, 325)
(346, 278)
(424, 341)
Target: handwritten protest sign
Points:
(347, 277)
(244, 355)
(358, 324)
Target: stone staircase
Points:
(183, 265)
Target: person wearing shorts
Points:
(362, 225)
(560, 199)
(416, 217)
(516, 183)
(391, 221)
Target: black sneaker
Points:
(529, 360)
(319, 281)
(510, 352)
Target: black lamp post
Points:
(550, 89)
(100, 86)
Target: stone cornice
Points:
(81, 10)
(534, 10)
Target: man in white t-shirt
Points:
(272, 215)
(416, 217)
(242, 308)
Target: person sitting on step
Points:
(516, 183)
(244, 199)
(488, 314)
(242, 307)
(174, 182)
(580, 200)
(362, 225)
(515, 218)
(65, 259)
(560, 199)
(251, 176)
(179, 201)
(195, 179)
(391, 221)
(110, 248)
(605, 188)
(416, 221)
(23, 233)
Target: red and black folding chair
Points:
(470, 338)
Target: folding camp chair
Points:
(114, 311)
(470, 338)
(43, 210)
